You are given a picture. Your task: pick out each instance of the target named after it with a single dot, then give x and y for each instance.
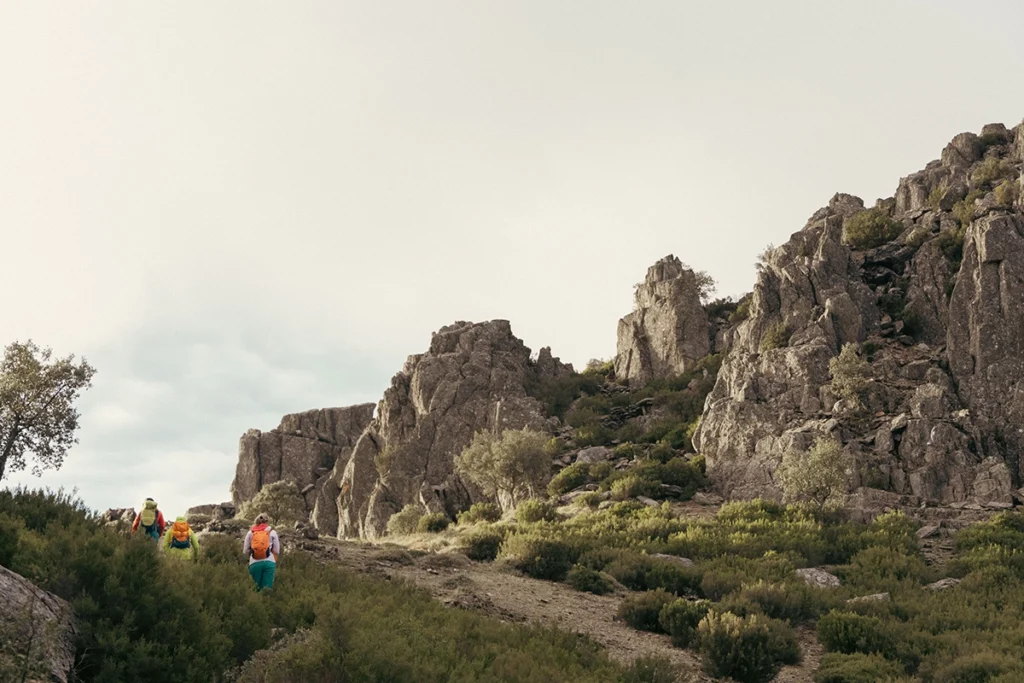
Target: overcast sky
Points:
(236, 210)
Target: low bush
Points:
(680, 619)
(570, 478)
(870, 228)
(632, 486)
(857, 668)
(480, 512)
(643, 573)
(433, 523)
(199, 519)
(878, 569)
(532, 511)
(588, 580)
(643, 611)
(849, 633)
(749, 650)
(1007, 193)
(481, 544)
(406, 521)
(281, 500)
(989, 171)
(775, 337)
(980, 667)
(963, 211)
(792, 602)
(537, 556)
(650, 669)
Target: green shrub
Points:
(792, 602)
(870, 228)
(650, 669)
(406, 521)
(281, 500)
(632, 485)
(1007, 193)
(480, 512)
(433, 523)
(627, 450)
(570, 478)
(851, 374)
(557, 394)
(539, 557)
(199, 519)
(680, 618)
(642, 611)
(963, 210)
(481, 544)
(532, 511)
(848, 633)
(742, 311)
(750, 650)
(979, 667)
(857, 668)
(775, 337)
(990, 170)
(881, 569)
(588, 580)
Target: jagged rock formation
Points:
(945, 335)
(37, 625)
(472, 378)
(668, 331)
(304, 448)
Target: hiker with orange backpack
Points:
(263, 546)
(180, 541)
(150, 520)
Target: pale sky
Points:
(236, 210)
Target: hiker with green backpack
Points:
(150, 520)
(180, 542)
(263, 546)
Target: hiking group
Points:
(178, 540)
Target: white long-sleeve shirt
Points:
(275, 546)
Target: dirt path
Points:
(510, 597)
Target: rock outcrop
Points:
(668, 331)
(37, 626)
(939, 312)
(472, 378)
(304, 448)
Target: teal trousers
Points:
(262, 573)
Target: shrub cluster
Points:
(281, 500)
(532, 511)
(406, 521)
(870, 228)
(747, 649)
(480, 512)
(432, 523)
(481, 544)
(587, 580)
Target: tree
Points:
(37, 406)
(706, 285)
(818, 475)
(281, 500)
(510, 467)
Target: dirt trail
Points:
(508, 596)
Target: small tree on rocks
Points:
(851, 375)
(817, 476)
(513, 466)
(281, 500)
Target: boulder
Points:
(928, 531)
(473, 377)
(37, 625)
(304, 448)
(943, 584)
(674, 559)
(594, 454)
(668, 331)
(813, 576)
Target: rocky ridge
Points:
(935, 309)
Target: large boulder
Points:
(668, 331)
(38, 626)
(304, 448)
(472, 378)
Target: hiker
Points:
(180, 541)
(151, 520)
(263, 547)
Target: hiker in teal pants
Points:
(263, 546)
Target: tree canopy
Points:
(38, 417)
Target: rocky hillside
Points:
(928, 284)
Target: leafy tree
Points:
(706, 285)
(512, 466)
(37, 406)
(818, 475)
(281, 500)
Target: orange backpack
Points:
(260, 545)
(180, 534)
